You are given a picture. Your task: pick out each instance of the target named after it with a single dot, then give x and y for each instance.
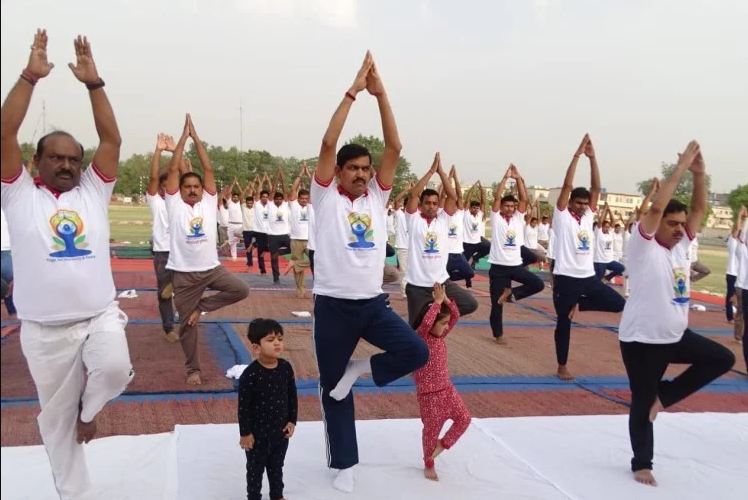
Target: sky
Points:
(485, 83)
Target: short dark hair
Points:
(303, 192)
(533, 219)
(474, 203)
(249, 198)
(278, 194)
(545, 217)
(187, 175)
(580, 193)
(349, 152)
(509, 197)
(260, 328)
(264, 191)
(235, 193)
(674, 206)
(427, 192)
(444, 312)
(40, 143)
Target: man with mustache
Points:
(193, 258)
(574, 283)
(428, 246)
(654, 327)
(349, 303)
(72, 330)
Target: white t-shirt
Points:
(693, 250)
(160, 233)
(61, 267)
(455, 234)
(299, 219)
(350, 245)
(544, 232)
(626, 238)
(660, 281)
(474, 227)
(732, 256)
(401, 229)
(551, 252)
(531, 236)
(742, 276)
(391, 224)
(428, 249)
(310, 241)
(618, 246)
(235, 212)
(506, 239)
(223, 216)
(248, 218)
(262, 217)
(193, 233)
(603, 246)
(278, 219)
(4, 235)
(574, 242)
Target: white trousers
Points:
(235, 234)
(402, 261)
(83, 363)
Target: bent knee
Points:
(418, 353)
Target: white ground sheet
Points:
(697, 455)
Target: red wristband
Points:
(348, 94)
(29, 77)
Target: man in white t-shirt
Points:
(544, 234)
(741, 284)
(699, 270)
(235, 223)
(193, 257)
(734, 250)
(248, 226)
(6, 266)
(457, 265)
(618, 242)
(299, 214)
(279, 230)
(604, 256)
(654, 326)
(72, 330)
(574, 282)
(507, 237)
(262, 226)
(350, 202)
(154, 196)
(401, 236)
(474, 228)
(428, 247)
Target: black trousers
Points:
(728, 297)
(419, 296)
(261, 240)
(500, 278)
(476, 251)
(277, 243)
(458, 267)
(163, 279)
(249, 237)
(645, 366)
(311, 260)
(591, 294)
(267, 454)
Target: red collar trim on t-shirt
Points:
(427, 219)
(38, 182)
(507, 218)
(349, 195)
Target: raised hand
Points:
(435, 164)
(582, 145)
(161, 142)
(687, 157)
(186, 129)
(374, 83)
(589, 149)
(439, 293)
(169, 142)
(84, 69)
(38, 65)
(191, 128)
(697, 165)
(360, 82)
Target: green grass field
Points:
(132, 224)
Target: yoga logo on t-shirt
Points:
(361, 229)
(608, 245)
(69, 239)
(452, 231)
(431, 242)
(473, 227)
(278, 216)
(264, 215)
(583, 240)
(196, 228)
(511, 238)
(680, 286)
(304, 215)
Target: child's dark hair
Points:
(260, 328)
(444, 312)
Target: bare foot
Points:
(300, 294)
(504, 296)
(194, 318)
(645, 476)
(500, 340)
(194, 378)
(573, 312)
(430, 473)
(656, 408)
(438, 450)
(85, 431)
(171, 337)
(563, 373)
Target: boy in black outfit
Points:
(267, 408)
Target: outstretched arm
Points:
(521, 191)
(458, 188)
(450, 204)
(401, 195)
(468, 194)
(152, 188)
(418, 187)
(17, 104)
(650, 221)
(209, 180)
(500, 191)
(563, 197)
(106, 157)
(293, 193)
(326, 165)
(172, 181)
(595, 187)
(699, 194)
(482, 199)
(392, 145)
